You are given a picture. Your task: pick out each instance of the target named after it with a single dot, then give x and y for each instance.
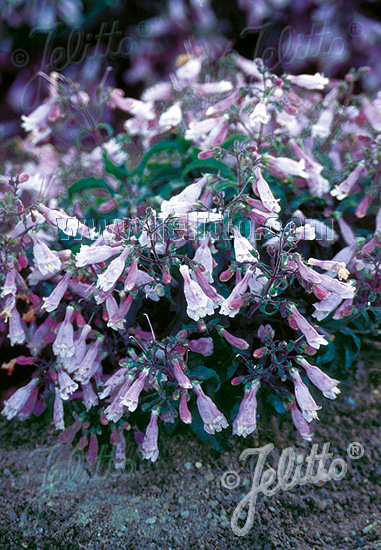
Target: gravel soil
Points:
(50, 500)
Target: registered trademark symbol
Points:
(355, 450)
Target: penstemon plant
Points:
(222, 251)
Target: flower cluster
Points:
(245, 240)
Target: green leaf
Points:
(209, 166)
(205, 373)
(88, 183)
(179, 144)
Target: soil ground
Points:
(50, 501)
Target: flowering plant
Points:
(217, 254)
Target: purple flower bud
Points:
(149, 446)
(362, 208)
(184, 412)
(88, 366)
(204, 257)
(306, 273)
(304, 398)
(181, 378)
(108, 279)
(213, 419)
(132, 276)
(300, 423)
(233, 303)
(204, 346)
(326, 384)
(16, 331)
(69, 433)
(238, 343)
(18, 400)
(314, 339)
(63, 345)
(53, 300)
(246, 420)
(92, 453)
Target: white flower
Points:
(259, 114)
(309, 81)
(171, 118)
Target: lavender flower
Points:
(131, 398)
(326, 384)
(67, 386)
(198, 303)
(314, 339)
(149, 446)
(181, 378)
(344, 188)
(95, 254)
(53, 300)
(233, 303)
(46, 261)
(312, 82)
(204, 346)
(18, 399)
(108, 279)
(213, 419)
(242, 247)
(300, 423)
(63, 345)
(304, 398)
(246, 420)
(184, 412)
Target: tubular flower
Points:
(233, 303)
(246, 420)
(18, 400)
(63, 345)
(149, 446)
(305, 400)
(108, 279)
(199, 305)
(300, 423)
(314, 339)
(213, 419)
(326, 384)
(131, 398)
(184, 412)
